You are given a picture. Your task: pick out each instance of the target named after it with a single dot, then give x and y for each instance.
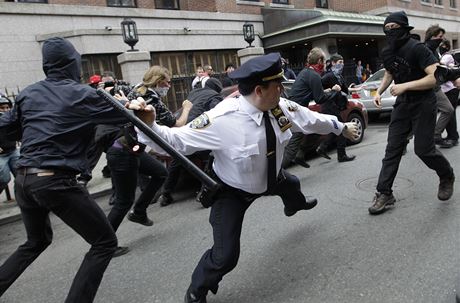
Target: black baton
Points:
(184, 161)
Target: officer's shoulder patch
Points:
(291, 106)
(200, 122)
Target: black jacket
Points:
(57, 115)
(203, 99)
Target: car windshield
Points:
(378, 76)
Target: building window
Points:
(281, 1)
(98, 64)
(453, 3)
(182, 66)
(426, 1)
(122, 3)
(321, 4)
(28, 1)
(167, 4)
(438, 2)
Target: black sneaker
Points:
(380, 203)
(310, 202)
(141, 219)
(165, 199)
(120, 251)
(446, 188)
(190, 297)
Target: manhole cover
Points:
(370, 184)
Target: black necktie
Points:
(271, 153)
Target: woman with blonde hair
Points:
(127, 158)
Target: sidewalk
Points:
(97, 187)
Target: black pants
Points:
(125, 167)
(226, 218)
(451, 127)
(60, 194)
(420, 117)
(331, 109)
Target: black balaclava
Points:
(214, 84)
(433, 44)
(397, 37)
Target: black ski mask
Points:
(396, 37)
(433, 44)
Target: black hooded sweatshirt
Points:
(57, 115)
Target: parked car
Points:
(367, 92)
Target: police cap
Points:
(260, 69)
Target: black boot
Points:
(446, 188)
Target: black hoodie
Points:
(57, 115)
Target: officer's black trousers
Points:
(420, 117)
(226, 218)
(60, 194)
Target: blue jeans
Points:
(8, 166)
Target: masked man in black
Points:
(411, 65)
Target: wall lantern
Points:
(248, 33)
(129, 30)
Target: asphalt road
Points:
(336, 252)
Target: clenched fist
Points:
(350, 131)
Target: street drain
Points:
(370, 184)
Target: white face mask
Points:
(162, 91)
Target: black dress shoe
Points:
(120, 251)
(345, 158)
(301, 162)
(190, 297)
(141, 219)
(309, 204)
(322, 152)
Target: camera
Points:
(444, 74)
(117, 85)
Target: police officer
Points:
(411, 65)
(56, 117)
(248, 135)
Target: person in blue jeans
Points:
(9, 153)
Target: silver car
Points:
(367, 92)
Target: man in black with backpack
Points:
(411, 65)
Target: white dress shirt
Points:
(236, 135)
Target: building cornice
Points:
(141, 32)
(101, 11)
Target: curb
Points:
(14, 214)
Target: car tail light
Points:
(355, 96)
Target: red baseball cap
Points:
(95, 79)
